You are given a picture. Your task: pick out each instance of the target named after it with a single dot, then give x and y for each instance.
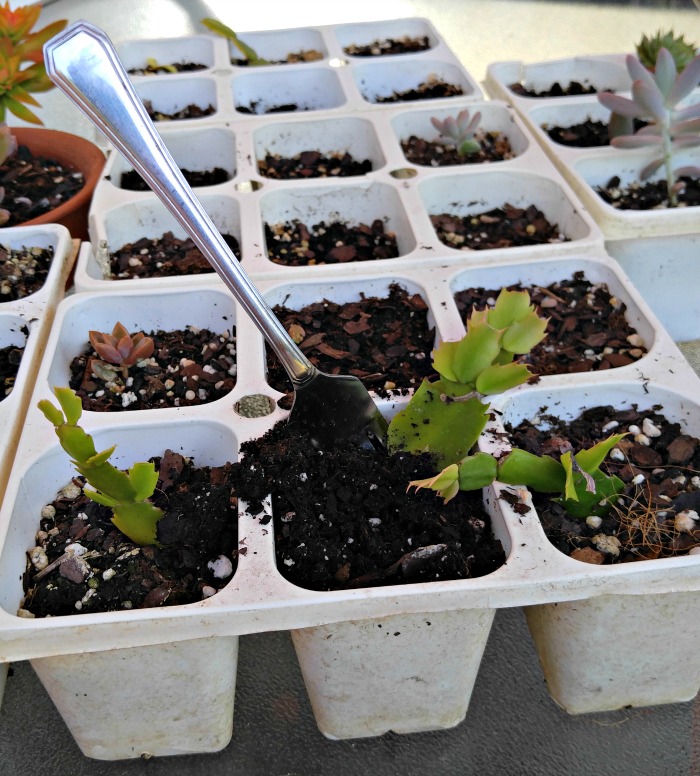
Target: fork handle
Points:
(83, 64)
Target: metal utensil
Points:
(83, 63)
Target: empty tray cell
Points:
(176, 99)
(328, 148)
(335, 225)
(163, 57)
(287, 91)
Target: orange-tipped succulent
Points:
(20, 46)
(120, 347)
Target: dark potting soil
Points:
(10, 359)
(35, 185)
(387, 46)
(293, 58)
(132, 181)
(23, 271)
(188, 367)
(587, 134)
(385, 342)
(651, 195)
(93, 567)
(343, 517)
(166, 256)
(659, 465)
(587, 329)
(188, 112)
(179, 67)
(431, 89)
(312, 164)
(495, 147)
(501, 227)
(293, 244)
(572, 89)
(256, 108)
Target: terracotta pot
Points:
(74, 152)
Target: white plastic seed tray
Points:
(336, 81)
(586, 168)
(258, 598)
(25, 323)
(402, 195)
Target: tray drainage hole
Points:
(255, 405)
(404, 172)
(246, 187)
(338, 62)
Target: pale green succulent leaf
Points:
(541, 473)
(499, 378)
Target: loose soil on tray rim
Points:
(103, 571)
(165, 256)
(495, 147)
(293, 244)
(660, 475)
(343, 517)
(650, 195)
(312, 164)
(388, 46)
(188, 367)
(23, 271)
(500, 227)
(10, 360)
(34, 185)
(385, 342)
(587, 330)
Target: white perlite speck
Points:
(685, 520)
(650, 429)
(607, 544)
(221, 567)
(593, 521)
